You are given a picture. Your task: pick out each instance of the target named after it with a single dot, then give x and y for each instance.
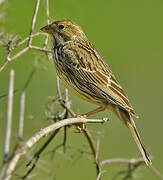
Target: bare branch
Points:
(48, 22)
(94, 150)
(47, 12)
(29, 78)
(36, 156)
(27, 38)
(9, 115)
(22, 104)
(59, 89)
(66, 95)
(40, 49)
(65, 139)
(60, 145)
(21, 116)
(22, 149)
(9, 59)
(33, 22)
(4, 65)
(122, 160)
(18, 54)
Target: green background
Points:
(129, 34)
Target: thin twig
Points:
(122, 160)
(93, 148)
(27, 38)
(65, 105)
(69, 109)
(8, 59)
(58, 146)
(47, 12)
(129, 173)
(21, 116)
(9, 115)
(90, 141)
(33, 22)
(40, 49)
(22, 104)
(18, 54)
(97, 150)
(4, 65)
(65, 139)
(68, 104)
(59, 89)
(66, 95)
(37, 154)
(48, 22)
(29, 79)
(98, 165)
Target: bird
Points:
(86, 74)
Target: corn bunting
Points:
(85, 73)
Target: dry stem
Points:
(9, 115)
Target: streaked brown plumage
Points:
(84, 72)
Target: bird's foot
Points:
(80, 126)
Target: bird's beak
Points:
(47, 29)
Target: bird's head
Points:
(64, 30)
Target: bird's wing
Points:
(90, 69)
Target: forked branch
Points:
(29, 46)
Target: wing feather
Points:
(94, 73)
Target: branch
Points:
(9, 115)
(132, 161)
(21, 115)
(33, 22)
(48, 22)
(22, 149)
(22, 104)
(27, 38)
(122, 160)
(93, 148)
(29, 46)
(36, 156)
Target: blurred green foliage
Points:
(129, 34)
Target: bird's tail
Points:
(128, 121)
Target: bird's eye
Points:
(61, 26)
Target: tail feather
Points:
(128, 121)
(138, 141)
